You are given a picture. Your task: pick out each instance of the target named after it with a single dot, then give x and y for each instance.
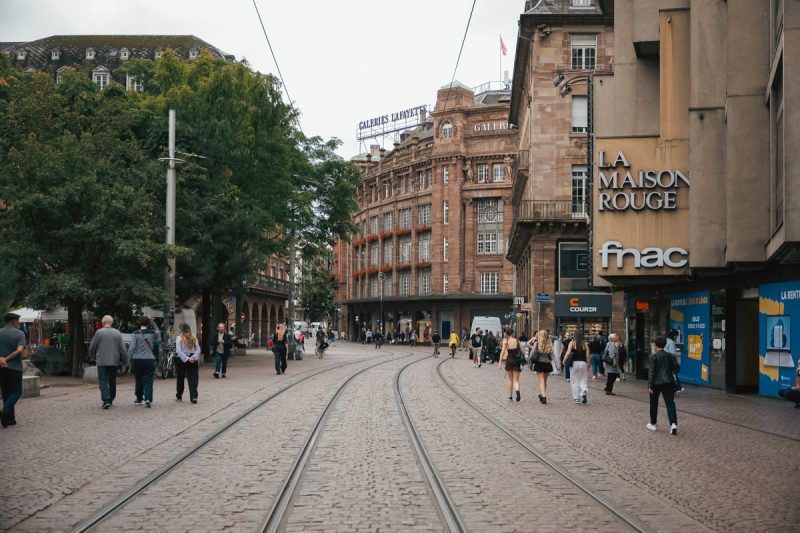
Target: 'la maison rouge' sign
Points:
(623, 190)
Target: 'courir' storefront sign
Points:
(641, 208)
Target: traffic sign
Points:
(542, 297)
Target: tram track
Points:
(623, 517)
(131, 494)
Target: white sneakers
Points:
(651, 427)
(673, 429)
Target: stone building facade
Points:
(561, 44)
(434, 213)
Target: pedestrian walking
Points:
(672, 349)
(476, 344)
(187, 349)
(108, 351)
(412, 339)
(610, 358)
(12, 344)
(142, 353)
(512, 359)
(369, 336)
(661, 381)
(595, 351)
(453, 343)
(603, 342)
(558, 349)
(378, 338)
(436, 339)
(279, 344)
(492, 348)
(577, 361)
(221, 345)
(465, 341)
(542, 362)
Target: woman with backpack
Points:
(576, 360)
(511, 355)
(611, 358)
(542, 362)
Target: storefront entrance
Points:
(589, 313)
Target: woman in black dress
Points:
(279, 345)
(512, 356)
(542, 362)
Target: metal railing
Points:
(549, 210)
(598, 67)
(271, 284)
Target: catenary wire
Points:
(271, 51)
(458, 59)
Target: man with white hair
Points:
(108, 350)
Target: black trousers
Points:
(11, 384)
(186, 372)
(668, 391)
(611, 378)
(280, 359)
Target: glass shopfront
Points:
(589, 313)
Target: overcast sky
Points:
(342, 60)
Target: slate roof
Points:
(107, 49)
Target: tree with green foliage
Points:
(82, 216)
(318, 292)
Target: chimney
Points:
(423, 114)
(374, 150)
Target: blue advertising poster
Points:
(778, 314)
(690, 316)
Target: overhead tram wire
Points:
(460, 50)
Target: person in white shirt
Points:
(187, 349)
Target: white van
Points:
(486, 323)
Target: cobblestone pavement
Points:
(70, 458)
(723, 476)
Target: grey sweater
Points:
(139, 348)
(107, 347)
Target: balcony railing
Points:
(598, 67)
(549, 210)
(271, 284)
(520, 176)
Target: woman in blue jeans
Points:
(142, 354)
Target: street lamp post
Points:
(588, 79)
(381, 278)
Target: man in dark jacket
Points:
(436, 340)
(221, 344)
(661, 381)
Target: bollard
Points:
(31, 386)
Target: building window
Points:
(373, 286)
(21, 54)
(55, 55)
(90, 53)
(374, 258)
(422, 179)
(578, 191)
(410, 186)
(580, 114)
(498, 172)
(405, 283)
(387, 189)
(489, 283)
(387, 222)
(388, 252)
(483, 173)
(404, 249)
(124, 54)
(374, 225)
(402, 185)
(424, 244)
(573, 266)
(581, 3)
(445, 284)
(445, 212)
(445, 249)
(776, 101)
(424, 215)
(447, 129)
(193, 53)
(490, 210)
(445, 174)
(424, 282)
(60, 74)
(387, 284)
(584, 51)
(158, 53)
(100, 77)
(134, 83)
(404, 216)
(489, 243)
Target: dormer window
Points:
(29, 70)
(193, 53)
(133, 83)
(21, 55)
(124, 54)
(101, 76)
(90, 54)
(55, 55)
(60, 73)
(159, 52)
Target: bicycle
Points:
(166, 360)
